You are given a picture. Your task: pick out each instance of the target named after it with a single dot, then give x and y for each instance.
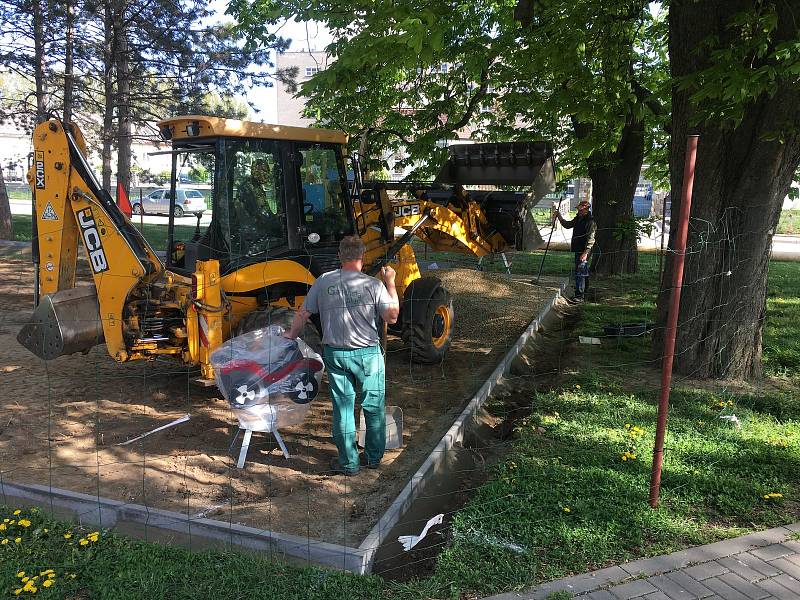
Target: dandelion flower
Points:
(67, 536)
(17, 591)
(3, 526)
(24, 523)
(18, 540)
(47, 583)
(16, 512)
(567, 509)
(83, 542)
(45, 530)
(4, 542)
(21, 574)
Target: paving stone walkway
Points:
(759, 566)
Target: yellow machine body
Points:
(142, 307)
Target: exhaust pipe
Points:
(64, 323)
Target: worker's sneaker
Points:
(338, 469)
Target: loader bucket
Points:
(523, 164)
(510, 214)
(501, 163)
(64, 323)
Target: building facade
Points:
(289, 107)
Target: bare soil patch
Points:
(61, 421)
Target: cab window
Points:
(255, 222)
(323, 196)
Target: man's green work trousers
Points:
(348, 370)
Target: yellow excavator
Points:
(281, 200)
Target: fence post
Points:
(672, 317)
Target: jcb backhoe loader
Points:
(280, 203)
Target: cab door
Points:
(323, 206)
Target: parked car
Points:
(157, 202)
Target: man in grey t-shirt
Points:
(349, 304)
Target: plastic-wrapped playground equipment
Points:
(268, 380)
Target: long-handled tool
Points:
(550, 237)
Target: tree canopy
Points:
(584, 74)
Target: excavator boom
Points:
(70, 204)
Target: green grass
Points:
(19, 194)
(567, 454)
(782, 331)
(156, 234)
(789, 222)
(115, 567)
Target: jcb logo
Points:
(92, 241)
(407, 210)
(39, 170)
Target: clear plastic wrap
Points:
(268, 380)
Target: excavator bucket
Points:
(528, 164)
(64, 323)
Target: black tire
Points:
(428, 320)
(136, 209)
(264, 317)
(178, 212)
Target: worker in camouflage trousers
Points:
(583, 234)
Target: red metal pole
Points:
(672, 317)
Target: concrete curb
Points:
(436, 459)
(586, 583)
(176, 527)
(113, 514)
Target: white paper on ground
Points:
(589, 340)
(409, 541)
(733, 419)
(211, 509)
(182, 419)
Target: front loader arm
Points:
(70, 204)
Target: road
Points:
(784, 247)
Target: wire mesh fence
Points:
(575, 408)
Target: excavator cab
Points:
(276, 192)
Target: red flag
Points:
(122, 200)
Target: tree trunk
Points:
(39, 62)
(614, 178)
(740, 181)
(68, 61)
(107, 133)
(123, 108)
(6, 231)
